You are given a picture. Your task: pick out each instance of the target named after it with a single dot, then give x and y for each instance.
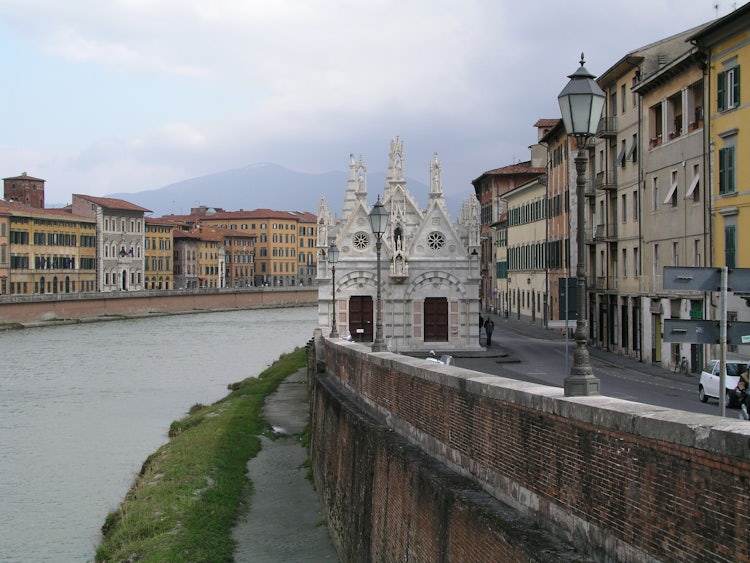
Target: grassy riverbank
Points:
(188, 494)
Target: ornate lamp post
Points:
(378, 222)
(333, 257)
(581, 104)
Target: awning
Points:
(671, 192)
(693, 185)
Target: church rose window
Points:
(435, 240)
(361, 240)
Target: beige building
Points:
(527, 249)
(675, 222)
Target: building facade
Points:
(158, 259)
(430, 265)
(120, 232)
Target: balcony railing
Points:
(607, 127)
(606, 180)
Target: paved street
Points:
(526, 351)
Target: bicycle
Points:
(682, 366)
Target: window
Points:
(633, 152)
(621, 155)
(635, 205)
(728, 89)
(636, 264)
(655, 192)
(694, 189)
(726, 170)
(675, 254)
(671, 198)
(625, 262)
(624, 208)
(730, 246)
(622, 97)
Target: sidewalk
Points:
(285, 520)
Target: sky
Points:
(109, 96)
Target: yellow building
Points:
(49, 251)
(158, 243)
(278, 240)
(726, 46)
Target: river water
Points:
(82, 406)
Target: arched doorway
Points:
(124, 286)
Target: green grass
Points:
(186, 499)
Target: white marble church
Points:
(430, 271)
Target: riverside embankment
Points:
(190, 493)
(18, 311)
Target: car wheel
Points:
(702, 394)
(728, 399)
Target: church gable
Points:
(429, 267)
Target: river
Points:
(83, 405)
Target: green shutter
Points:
(721, 87)
(729, 152)
(722, 171)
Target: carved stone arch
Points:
(353, 280)
(436, 276)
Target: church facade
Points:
(430, 265)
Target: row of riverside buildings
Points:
(99, 244)
(667, 185)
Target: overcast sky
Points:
(105, 96)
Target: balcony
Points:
(607, 127)
(589, 190)
(606, 180)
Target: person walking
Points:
(489, 327)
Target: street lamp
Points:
(378, 222)
(581, 103)
(333, 257)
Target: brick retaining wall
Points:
(61, 307)
(619, 480)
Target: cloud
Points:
(135, 94)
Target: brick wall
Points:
(58, 307)
(416, 461)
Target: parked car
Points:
(708, 387)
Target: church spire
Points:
(356, 186)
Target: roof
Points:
(546, 122)
(113, 203)
(25, 176)
(304, 217)
(730, 23)
(22, 209)
(512, 170)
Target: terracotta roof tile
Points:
(546, 122)
(113, 203)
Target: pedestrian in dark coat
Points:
(489, 326)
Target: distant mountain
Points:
(259, 186)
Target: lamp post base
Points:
(379, 346)
(581, 386)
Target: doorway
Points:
(360, 318)
(436, 319)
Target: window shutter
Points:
(729, 169)
(736, 86)
(722, 171)
(721, 87)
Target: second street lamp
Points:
(378, 222)
(333, 257)
(581, 103)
